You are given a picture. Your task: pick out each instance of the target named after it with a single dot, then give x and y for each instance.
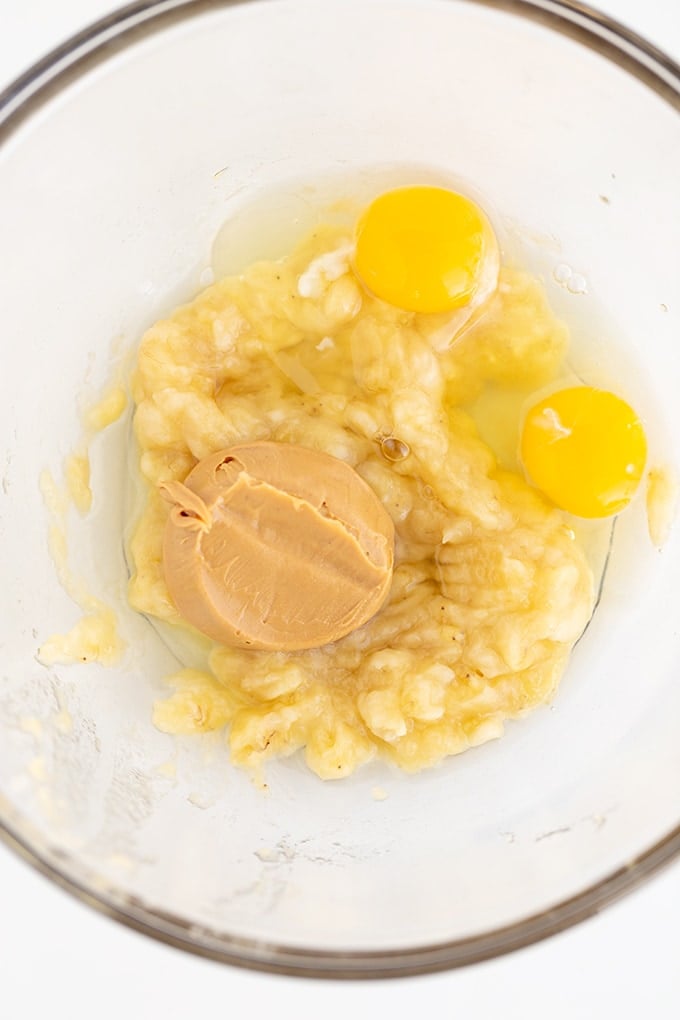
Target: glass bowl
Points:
(121, 155)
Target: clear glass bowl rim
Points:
(21, 99)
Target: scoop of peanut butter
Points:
(271, 545)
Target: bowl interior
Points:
(112, 192)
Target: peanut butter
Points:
(275, 546)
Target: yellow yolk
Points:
(423, 248)
(585, 449)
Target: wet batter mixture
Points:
(488, 588)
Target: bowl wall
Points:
(112, 190)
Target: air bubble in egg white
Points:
(565, 276)
(577, 284)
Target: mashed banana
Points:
(490, 588)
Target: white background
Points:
(60, 959)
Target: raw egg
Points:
(426, 249)
(585, 449)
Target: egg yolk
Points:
(585, 449)
(422, 248)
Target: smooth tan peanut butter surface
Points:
(272, 545)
